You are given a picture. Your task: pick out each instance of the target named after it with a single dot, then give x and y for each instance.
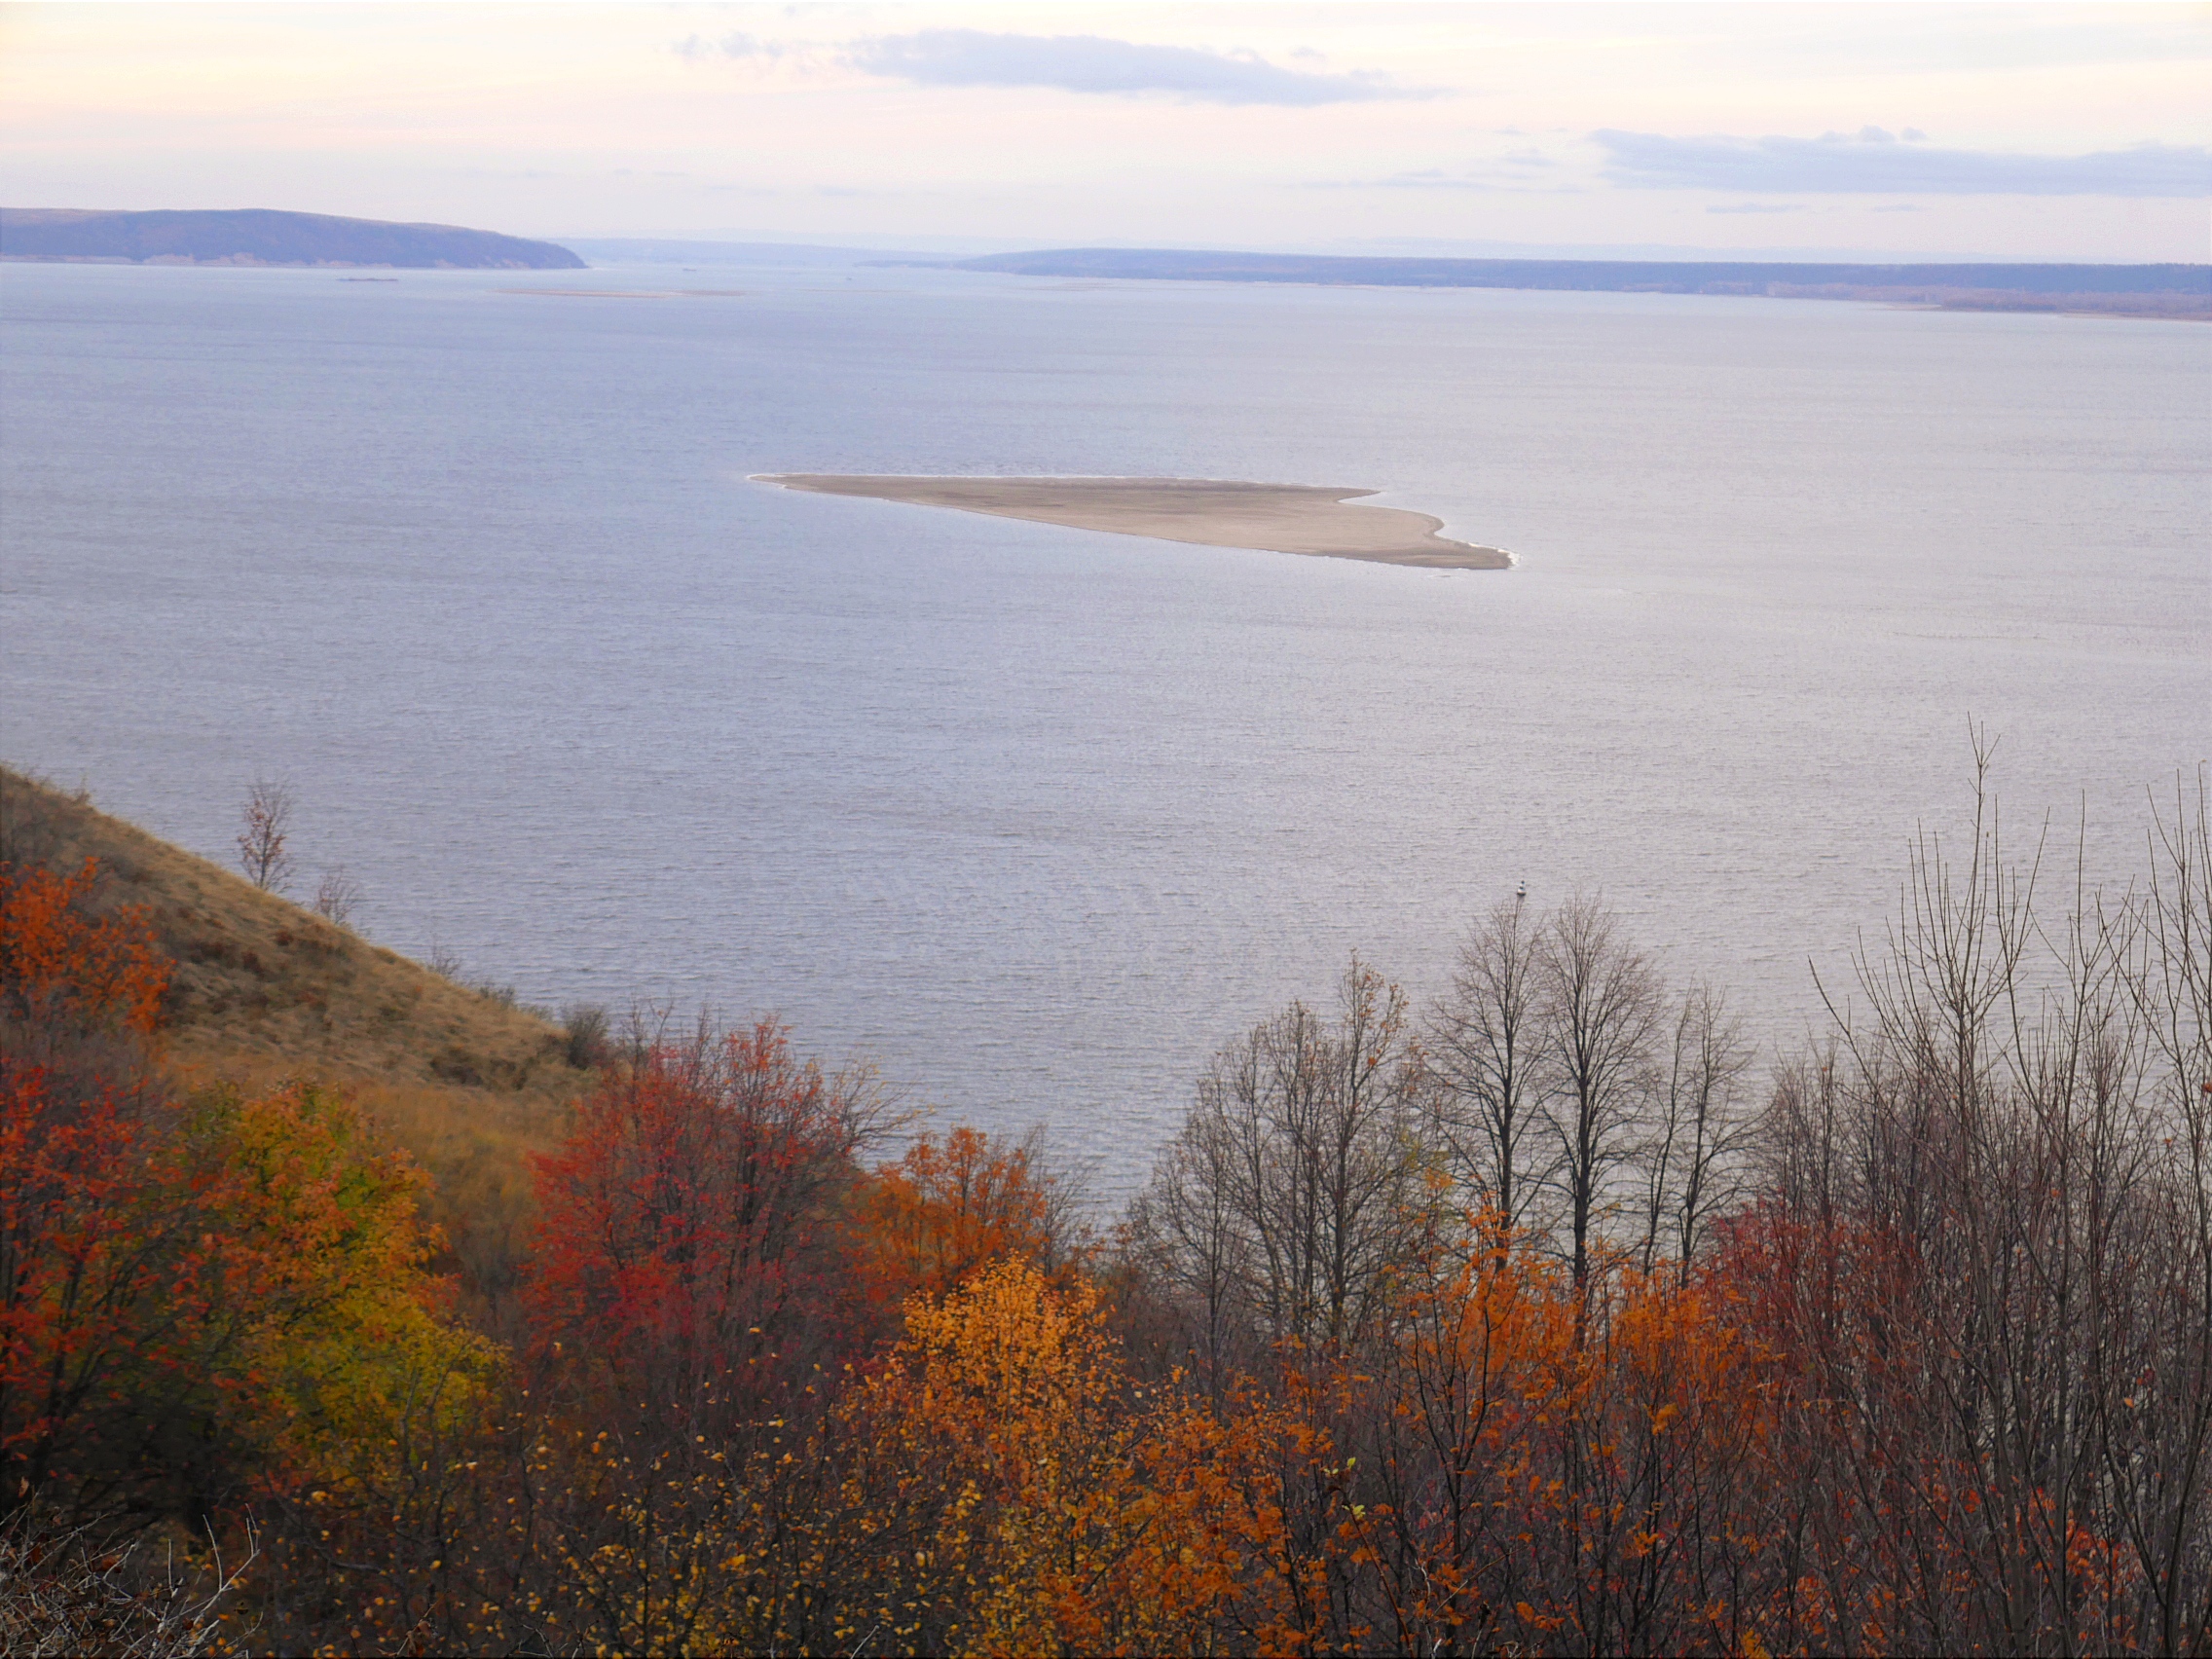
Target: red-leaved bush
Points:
(687, 1231)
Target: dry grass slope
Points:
(264, 988)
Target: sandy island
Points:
(1273, 518)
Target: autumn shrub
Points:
(994, 1482)
(584, 1035)
(478, 1199)
(67, 972)
(224, 1296)
(315, 1270)
(85, 1250)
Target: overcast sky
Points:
(2068, 131)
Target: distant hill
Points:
(2160, 290)
(259, 236)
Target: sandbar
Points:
(1271, 518)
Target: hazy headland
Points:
(264, 236)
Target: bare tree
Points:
(2003, 1343)
(1801, 1146)
(265, 821)
(1600, 1011)
(336, 896)
(1690, 1168)
(1280, 1210)
(1190, 1236)
(1486, 1056)
(2166, 1478)
(1952, 960)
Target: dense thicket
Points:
(1531, 1320)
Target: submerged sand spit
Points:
(1273, 518)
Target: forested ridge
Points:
(1542, 1316)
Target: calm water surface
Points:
(1036, 817)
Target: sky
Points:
(2047, 132)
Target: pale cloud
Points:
(1091, 64)
(1095, 64)
(1432, 178)
(1759, 207)
(1520, 171)
(1876, 161)
(2001, 39)
(697, 49)
(1188, 124)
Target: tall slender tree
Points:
(1600, 1012)
(1486, 1055)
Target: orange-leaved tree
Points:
(1485, 1352)
(66, 971)
(949, 1208)
(1533, 1463)
(1668, 1459)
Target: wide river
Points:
(1037, 818)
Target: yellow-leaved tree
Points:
(1070, 1509)
(314, 1258)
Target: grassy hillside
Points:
(264, 988)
